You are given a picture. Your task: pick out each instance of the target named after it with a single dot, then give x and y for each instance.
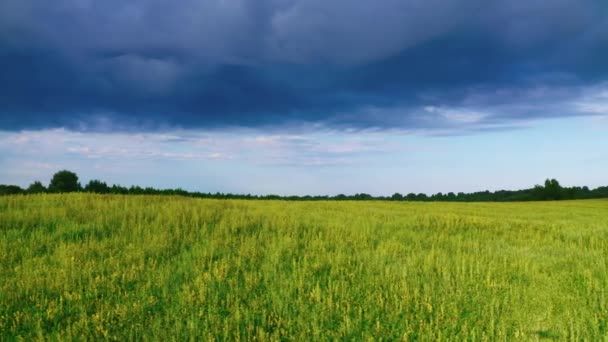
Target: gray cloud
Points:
(153, 63)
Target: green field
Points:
(85, 266)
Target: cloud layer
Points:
(153, 64)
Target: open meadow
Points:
(84, 266)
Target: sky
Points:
(297, 97)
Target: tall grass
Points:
(84, 266)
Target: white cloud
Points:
(594, 101)
(459, 115)
(325, 148)
(594, 107)
(313, 162)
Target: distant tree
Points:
(437, 197)
(150, 191)
(397, 197)
(363, 196)
(538, 193)
(97, 186)
(64, 181)
(552, 190)
(601, 192)
(36, 188)
(136, 190)
(583, 192)
(10, 189)
(422, 197)
(117, 189)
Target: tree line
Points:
(67, 181)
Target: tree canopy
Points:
(64, 181)
(36, 188)
(97, 186)
(67, 181)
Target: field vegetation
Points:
(116, 267)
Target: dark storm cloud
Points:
(148, 64)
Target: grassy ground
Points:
(170, 268)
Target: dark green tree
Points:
(397, 197)
(422, 197)
(97, 186)
(538, 193)
(64, 181)
(553, 191)
(10, 189)
(36, 188)
(362, 197)
(117, 189)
